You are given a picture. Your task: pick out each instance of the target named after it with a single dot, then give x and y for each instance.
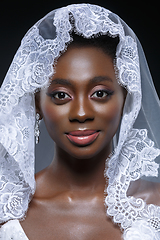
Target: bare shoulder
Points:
(38, 210)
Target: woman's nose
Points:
(81, 111)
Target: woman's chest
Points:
(77, 223)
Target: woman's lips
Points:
(82, 138)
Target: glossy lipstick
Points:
(82, 137)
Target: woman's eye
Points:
(61, 96)
(101, 94)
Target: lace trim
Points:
(141, 230)
(135, 160)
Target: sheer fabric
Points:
(136, 153)
(12, 230)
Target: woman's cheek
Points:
(55, 116)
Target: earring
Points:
(36, 129)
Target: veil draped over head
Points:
(136, 144)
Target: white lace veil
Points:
(136, 153)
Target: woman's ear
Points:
(37, 104)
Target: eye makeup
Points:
(63, 94)
(101, 94)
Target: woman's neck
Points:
(79, 174)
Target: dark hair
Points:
(106, 43)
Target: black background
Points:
(16, 17)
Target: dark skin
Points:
(69, 198)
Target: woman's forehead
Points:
(79, 64)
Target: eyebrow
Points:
(61, 81)
(99, 79)
(94, 80)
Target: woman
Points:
(82, 70)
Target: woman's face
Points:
(82, 106)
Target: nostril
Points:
(81, 111)
(81, 120)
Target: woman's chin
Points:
(89, 152)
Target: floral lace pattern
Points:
(135, 160)
(30, 70)
(141, 230)
(14, 190)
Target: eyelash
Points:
(107, 93)
(53, 96)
